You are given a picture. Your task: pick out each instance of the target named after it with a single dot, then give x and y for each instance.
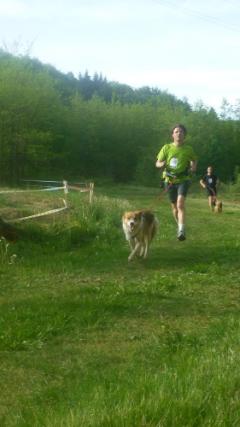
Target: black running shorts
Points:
(211, 191)
(175, 190)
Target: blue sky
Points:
(187, 47)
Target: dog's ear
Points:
(138, 214)
(148, 216)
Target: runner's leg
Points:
(175, 211)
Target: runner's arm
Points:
(160, 163)
(193, 166)
(162, 158)
(202, 183)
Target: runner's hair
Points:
(179, 125)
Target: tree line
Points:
(56, 125)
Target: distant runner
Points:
(210, 182)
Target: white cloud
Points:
(210, 86)
(159, 43)
(12, 8)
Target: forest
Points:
(56, 125)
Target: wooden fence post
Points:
(91, 187)
(65, 190)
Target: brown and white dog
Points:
(139, 228)
(218, 206)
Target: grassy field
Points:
(88, 339)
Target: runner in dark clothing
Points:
(210, 182)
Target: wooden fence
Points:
(52, 186)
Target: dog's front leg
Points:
(142, 249)
(134, 251)
(146, 241)
(131, 242)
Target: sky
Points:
(189, 48)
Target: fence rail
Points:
(81, 187)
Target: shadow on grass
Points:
(189, 257)
(98, 259)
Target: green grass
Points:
(87, 339)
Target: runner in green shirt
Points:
(177, 160)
